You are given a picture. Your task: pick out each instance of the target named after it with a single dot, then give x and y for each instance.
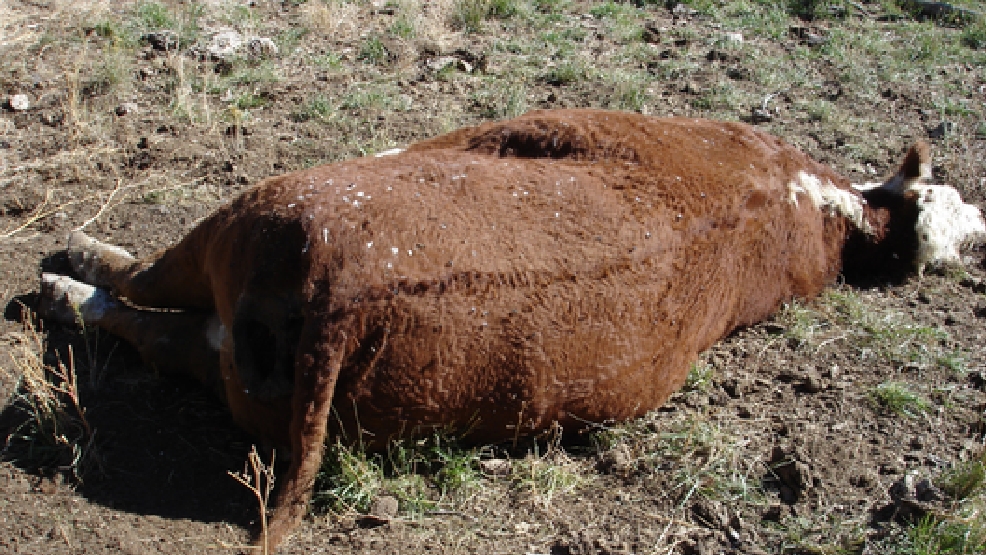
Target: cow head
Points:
(911, 224)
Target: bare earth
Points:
(784, 441)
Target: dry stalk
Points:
(56, 423)
(259, 479)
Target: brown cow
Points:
(565, 266)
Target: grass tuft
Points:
(54, 434)
(898, 399)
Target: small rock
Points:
(495, 467)
(772, 513)
(682, 10)
(736, 387)
(126, 108)
(652, 33)
(903, 488)
(719, 56)
(385, 506)
(616, 461)
(224, 44)
(761, 115)
(942, 130)
(19, 102)
(788, 495)
(735, 38)
(4, 144)
(52, 118)
(709, 514)
(793, 474)
(261, 48)
(162, 40)
(981, 131)
(812, 383)
(928, 492)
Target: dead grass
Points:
(54, 435)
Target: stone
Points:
(385, 506)
(163, 40)
(126, 108)
(19, 102)
(261, 48)
(495, 467)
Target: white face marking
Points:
(826, 196)
(945, 225)
(215, 332)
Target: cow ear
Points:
(917, 162)
(915, 169)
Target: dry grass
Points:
(54, 434)
(335, 18)
(259, 479)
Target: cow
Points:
(562, 267)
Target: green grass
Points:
(318, 108)
(897, 398)
(700, 377)
(373, 51)
(419, 473)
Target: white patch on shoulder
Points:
(826, 196)
(945, 225)
(390, 152)
(215, 332)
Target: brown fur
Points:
(562, 267)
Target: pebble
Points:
(385, 506)
(126, 108)
(19, 102)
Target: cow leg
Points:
(172, 278)
(320, 357)
(170, 342)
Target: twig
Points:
(259, 479)
(105, 205)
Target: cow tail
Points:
(321, 353)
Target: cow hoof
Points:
(91, 259)
(71, 302)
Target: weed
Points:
(607, 9)
(373, 51)
(55, 434)
(318, 108)
(330, 61)
(248, 101)
(402, 27)
(348, 481)
(287, 41)
(820, 110)
(630, 92)
(364, 99)
(939, 536)
(897, 398)
(259, 479)
(154, 16)
(504, 99)
(700, 377)
(543, 477)
(965, 480)
(264, 72)
(974, 35)
(566, 73)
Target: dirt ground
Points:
(836, 427)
